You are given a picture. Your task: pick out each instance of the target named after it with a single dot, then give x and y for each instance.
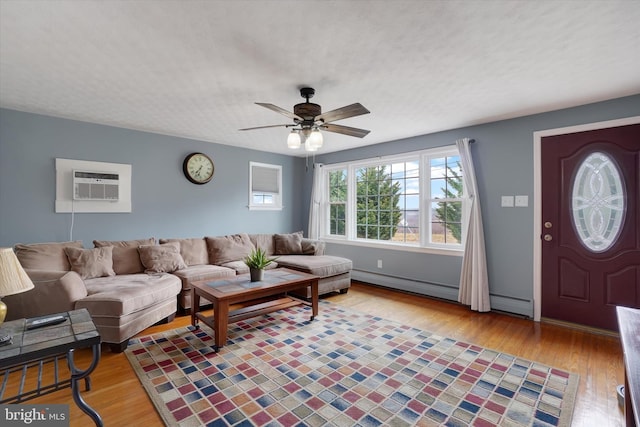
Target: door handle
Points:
(547, 237)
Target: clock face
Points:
(198, 168)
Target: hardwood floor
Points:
(121, 401)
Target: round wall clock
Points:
(198, 168)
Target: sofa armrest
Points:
(312, 247)
(54, 292)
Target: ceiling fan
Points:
(308, 120)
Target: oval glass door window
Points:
(598, 202)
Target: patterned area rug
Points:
(343, 369)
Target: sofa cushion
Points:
(196, 273)
(193, 251)
(45, 256)
(126, 259)
(90, 263)
(121, 295)
(288, 244)
(321, 265)
(163, 258)
(229, 248)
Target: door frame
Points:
(537, 195)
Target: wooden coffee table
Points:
(225, 292)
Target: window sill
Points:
(264, 208)
(396, 247)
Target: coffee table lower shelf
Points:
(254, 310)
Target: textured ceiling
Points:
(195, 68)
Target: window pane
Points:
(446, 226)
(438, 168)
(437, 232)
(412, 186)
(397, 170)
(453, 163)
(263, 199)
(438, 188)
(412, 202)
(413, 169)
(337, 219)
(338, 186)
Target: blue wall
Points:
(503, 160)
(164, 203)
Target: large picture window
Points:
(414, 200)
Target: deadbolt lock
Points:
(548, 225)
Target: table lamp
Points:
(13, 279)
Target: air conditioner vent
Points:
(97, 186)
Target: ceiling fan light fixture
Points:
(315, 139)
(309, 147)
(293, 140)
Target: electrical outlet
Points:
(522, 201)
(379, 263)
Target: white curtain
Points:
(317, 193)
(474, 280)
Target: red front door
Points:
(591, 225)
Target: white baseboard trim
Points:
(512, 305)
(437, 290)
(423, 288)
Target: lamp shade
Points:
(293, 140)
(309, 147)
(13, 279)
(315, 139)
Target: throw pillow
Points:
(126, 259)
(229, 248)
(312, 247)
(164, 258)
(45, 256)
(91, 263)
(288, 244)
(193, 251)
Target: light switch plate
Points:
(507, 202)
(522, 201)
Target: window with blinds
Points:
(265, 186)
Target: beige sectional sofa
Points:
(130, 285)
(218, 257)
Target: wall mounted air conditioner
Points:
(89, 185)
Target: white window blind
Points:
(264, 179)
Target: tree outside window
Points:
(337, 202)
(446, 195)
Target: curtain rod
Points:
(471, 141)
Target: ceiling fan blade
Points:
(346, 130)
(264, 127)
(343, 113)
(279, 110)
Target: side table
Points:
(43, 347)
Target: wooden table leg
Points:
(314, 299)
(221, 322)
(195, 307)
